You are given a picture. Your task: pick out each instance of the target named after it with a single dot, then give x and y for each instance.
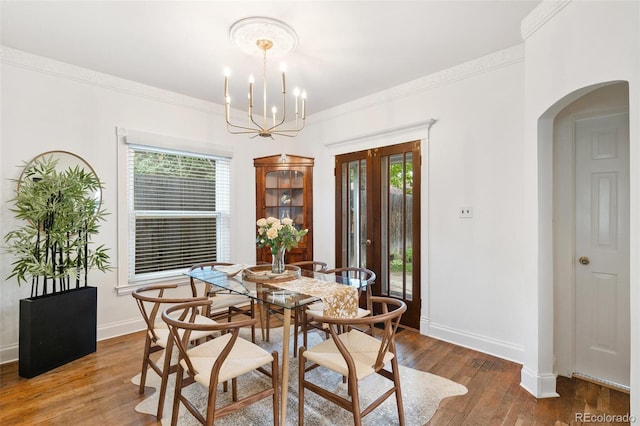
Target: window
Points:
(177, 211)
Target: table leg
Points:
(262, 305)
(262, 317)
(286, 331)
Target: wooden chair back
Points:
(181, 320)
(365, 362)
(150, 299)
(312, 265)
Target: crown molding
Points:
(540, 15)
(417, 130)
(465, 70)
(29, 61)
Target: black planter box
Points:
(56, 329)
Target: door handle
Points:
(584, 260)
(367, 242)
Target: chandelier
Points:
(265, 34)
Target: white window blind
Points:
(178, 211)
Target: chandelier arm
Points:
(284, 134)
(295, 129)
(259, 127)
(286, 131)
(284, 113)
(277, 130)
(249, 129)
(246, 129)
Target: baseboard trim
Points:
(538, 385)
(477, 342)
(120, 328)
(9, 353)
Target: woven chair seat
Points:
(243, 358)
(363, 348)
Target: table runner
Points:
(340, 300)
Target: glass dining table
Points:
(294, 289)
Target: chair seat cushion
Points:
(225, 300)
(162, 330)
(243, 358)
(362, 347)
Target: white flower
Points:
(262, 222)
(287, 221)
(272, 220)
(272, 233)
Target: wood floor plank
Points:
(97, 389)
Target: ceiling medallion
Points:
(259, 35)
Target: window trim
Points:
(126, 137)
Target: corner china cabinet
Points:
(284, 189)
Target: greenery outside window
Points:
(178, 211)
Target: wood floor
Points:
(96, 390)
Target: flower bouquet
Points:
(279, 236)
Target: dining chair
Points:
(150, 301)
(312, 265)
(356, 355)
(225, 304)
(309, 315)
(216, 361)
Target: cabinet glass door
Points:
(284, 195)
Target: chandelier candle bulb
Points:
(226, 83)
(283, 68)
(304, 104)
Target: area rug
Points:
(421, 392)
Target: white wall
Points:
(47, 105)
(583, 44)
(472, 268)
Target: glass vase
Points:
(277, 260)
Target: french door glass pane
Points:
(408, 223)
(384, 226)
(361, 260)
(399, 222)
(354, 213)
(353, 228)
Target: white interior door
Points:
(602, 304)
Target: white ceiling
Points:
(346, 50)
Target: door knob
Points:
(584, 260)
(368, 242)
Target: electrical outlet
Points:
(465, 212)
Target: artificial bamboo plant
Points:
(60, 214)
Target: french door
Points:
(378, 220)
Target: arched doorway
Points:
(590, 232)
